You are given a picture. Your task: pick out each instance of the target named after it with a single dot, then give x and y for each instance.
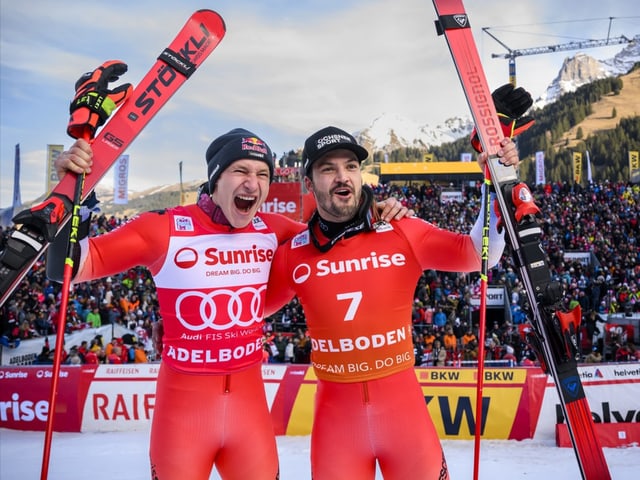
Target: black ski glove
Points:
(511, 104)
(94, 101)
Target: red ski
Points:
(38, 226)
(554, 335)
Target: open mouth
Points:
(244, 203)
(342, 191)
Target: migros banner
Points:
(517, 403)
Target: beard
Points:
(333, 205)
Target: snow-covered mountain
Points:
(582, 69)
(623, 61)
(391, 131)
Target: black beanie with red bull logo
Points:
(237, 144)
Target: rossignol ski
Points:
(554, 332)
(200, 35)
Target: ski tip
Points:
(212, 15)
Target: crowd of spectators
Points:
(601, 219)
(125, 349)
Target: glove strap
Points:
(96, 102)
(508, 125)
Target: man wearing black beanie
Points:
(235, 145)
(244, 157)
(210, 263)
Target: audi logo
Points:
(236, 301)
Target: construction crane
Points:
(512, 54)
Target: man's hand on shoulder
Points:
(392, 209)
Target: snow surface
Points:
(123, 456)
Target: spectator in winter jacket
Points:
(449, 339)
(91, 358)
(140, 356)
(93, 317)
(115, 357)
(73, 358)
(289, 351)
(439, 354)
(469, 336)
(439, 318)
(594, 356)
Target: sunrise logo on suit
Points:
(301, 273)
(185, 258)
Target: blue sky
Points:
(285, 69)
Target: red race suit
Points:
(210, 279)
(357, 299)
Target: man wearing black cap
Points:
(355, 277)
(210, 263)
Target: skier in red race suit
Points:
(210, 262)
(355, 278)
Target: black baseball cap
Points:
(326, 140)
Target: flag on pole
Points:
(17, 201)
(589, 179)
(182, 200)
(6, 214)
(540, 178)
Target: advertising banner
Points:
(518, 403)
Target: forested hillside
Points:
(558, 132)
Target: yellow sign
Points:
(301, 417)
(453, 411)
(577, 167)
(470, 376)
(417, 168)
(450, 394)
(634, 166)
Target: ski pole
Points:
(196, 40)
(482, 320)
(92, 105)
(62, 315)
